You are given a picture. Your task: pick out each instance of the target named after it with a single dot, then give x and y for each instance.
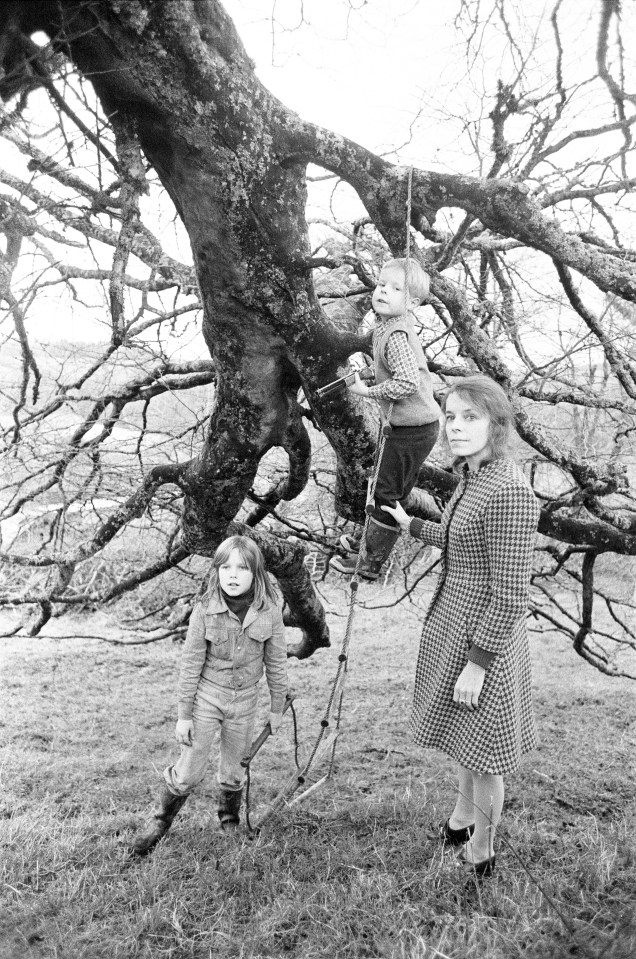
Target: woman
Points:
(473, 684)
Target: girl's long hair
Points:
(264, 594)
(489, 398)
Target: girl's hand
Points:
(398, 513)
(184, 731)
(358, 387)
(275, 719)
(469, 686)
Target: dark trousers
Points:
(405, 450)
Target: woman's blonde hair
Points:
(489, 398)
(264, 594)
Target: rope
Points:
(382, 436)
(248, 777)
(338, 684)
(339, 680)
(353, 586)
(407, 249)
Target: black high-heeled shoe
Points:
(481, 869)
(455, 837)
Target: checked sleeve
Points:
(430, 533)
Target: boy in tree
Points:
(403, 388)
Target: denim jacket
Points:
(221, 650)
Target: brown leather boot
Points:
(168, 806)
(229, 808)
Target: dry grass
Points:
(356, 872)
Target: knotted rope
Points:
(336, 695)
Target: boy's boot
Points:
(376, 549)
(167, 808)
(229, 808)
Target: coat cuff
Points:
(480, 657)
(416, 526)
(184, 712)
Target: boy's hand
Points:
(398, 513)
(358, 387)
(275, 719)
(184, 732)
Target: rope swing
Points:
(327, 739)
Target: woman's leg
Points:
(488, 798)
(463, 814)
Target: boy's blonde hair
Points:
(251, 555)
(419, 280)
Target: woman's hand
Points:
(184, 732)
(398, 513)
(469, 686)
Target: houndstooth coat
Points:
(487, 536)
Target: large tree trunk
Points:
(233, 160)
(178, 74)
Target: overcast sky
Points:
(365, 67)
(357, 68)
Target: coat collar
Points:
(486, 467)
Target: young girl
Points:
(472, 686)
(235, 630)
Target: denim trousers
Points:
(231, 713)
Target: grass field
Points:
(355, 871)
